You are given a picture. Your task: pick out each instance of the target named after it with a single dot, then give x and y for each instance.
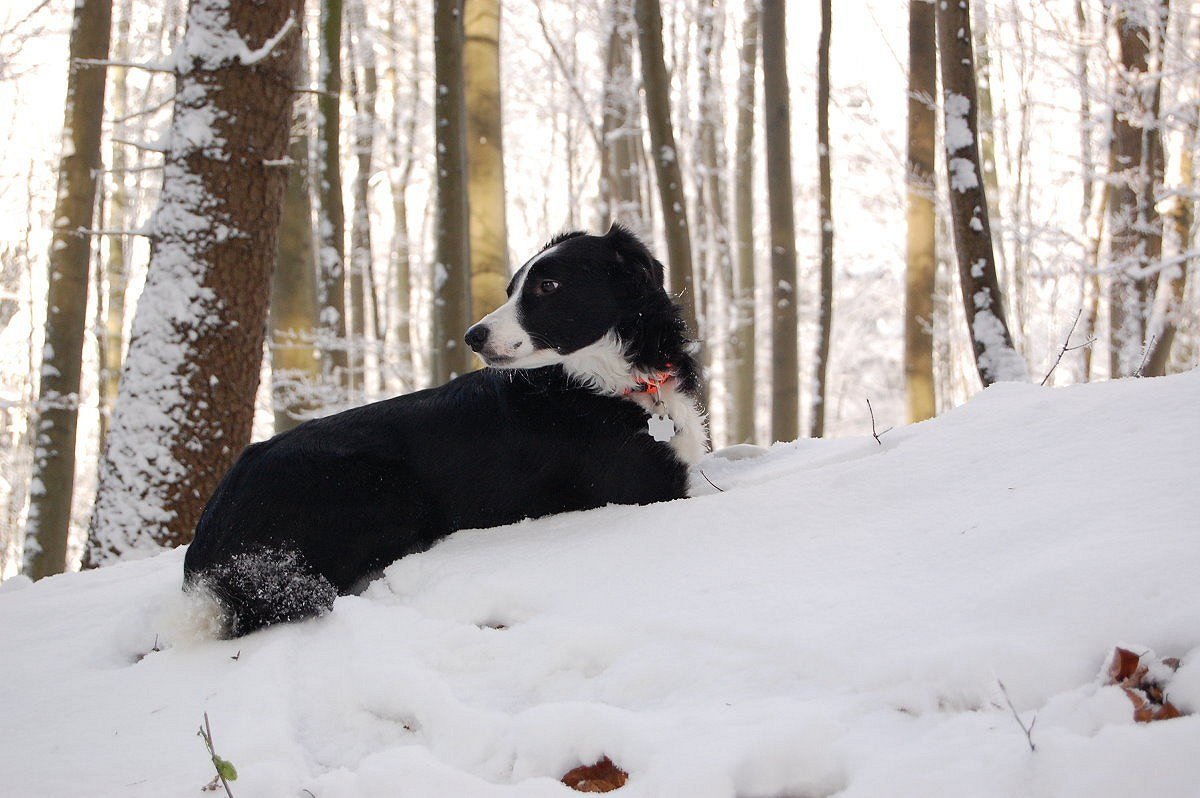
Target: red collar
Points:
(650, 383)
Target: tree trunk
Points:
(365, 90)
(331, 220)
(452, 272)
(995, 357)
(657, 85)
(190, 378)
(52, 484)
(921, 242)
(1181, 217)
(825, 217)
(621, 126)
(295, 360)
(785, 361)
(399, 277)
(741, 340)
(1135, 228)
(485, 156)
(116, 265)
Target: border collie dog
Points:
(589, 399)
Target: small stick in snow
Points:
(710, 482)
(1066, 347)
(874, 434)
(1027, 729)
(225, 770)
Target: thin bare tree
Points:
(785, 359)
(816, 427)
(48, 524)
(452, 312)
(621, 197)
(921, 241)
(331, 211)
(742, 327)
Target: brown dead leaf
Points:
(1123, 665)
(1148, 696)
(603, 776)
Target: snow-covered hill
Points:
(837, 622)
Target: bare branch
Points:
(1027, 729)
(874, 434)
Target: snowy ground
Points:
(836, 622)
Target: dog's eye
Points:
(547, 286)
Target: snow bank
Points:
(835, 622)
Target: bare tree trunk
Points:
(825, 192)
(1181, 217)
(190, 378)
(742, 343)
(785, 360)
(452, 278)
(116, 265)
(1135, 228)
(52, 484)
(921, 242)
(485, 156)
(995, 357)
(399, 279)
(331, 211)
(711, 210)
(671, 194)
(295, 360)
(621, 125)
(362, 294)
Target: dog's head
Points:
(570, 295)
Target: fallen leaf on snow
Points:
(603, 776)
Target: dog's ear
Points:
(632, 252)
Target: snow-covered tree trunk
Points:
(485, 156)
(53, 480)
(402, 147)
(672, 198)
(742, 333)
(187, 390)
(452, 273)
(921, 240)
(1135, 227)
(331, 211)
(816, 428)
(995, 357)
(785, 359)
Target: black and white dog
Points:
(590, 399)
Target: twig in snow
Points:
(225, 769)
(1027, 729)
(710, 482)
(1067, 348)
(874, 434)
(1145, 354)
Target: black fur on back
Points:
(316, 510)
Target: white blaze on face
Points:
(508, 343)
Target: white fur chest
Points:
(691, 436)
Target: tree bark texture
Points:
(452, 312)
(921, 240)
(995, 357)
(1135, 228)
(742, 332)
(188, 385)
(52, 484)
(362, 282)
(331, 219)
(404, 118)
(621, 125)
(657, 84)
(785, 360)
(295, 360)
(816, 427)
(485, 156)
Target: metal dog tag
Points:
(661, 427)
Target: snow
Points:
(837, 621)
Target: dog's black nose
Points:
(476, 337)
